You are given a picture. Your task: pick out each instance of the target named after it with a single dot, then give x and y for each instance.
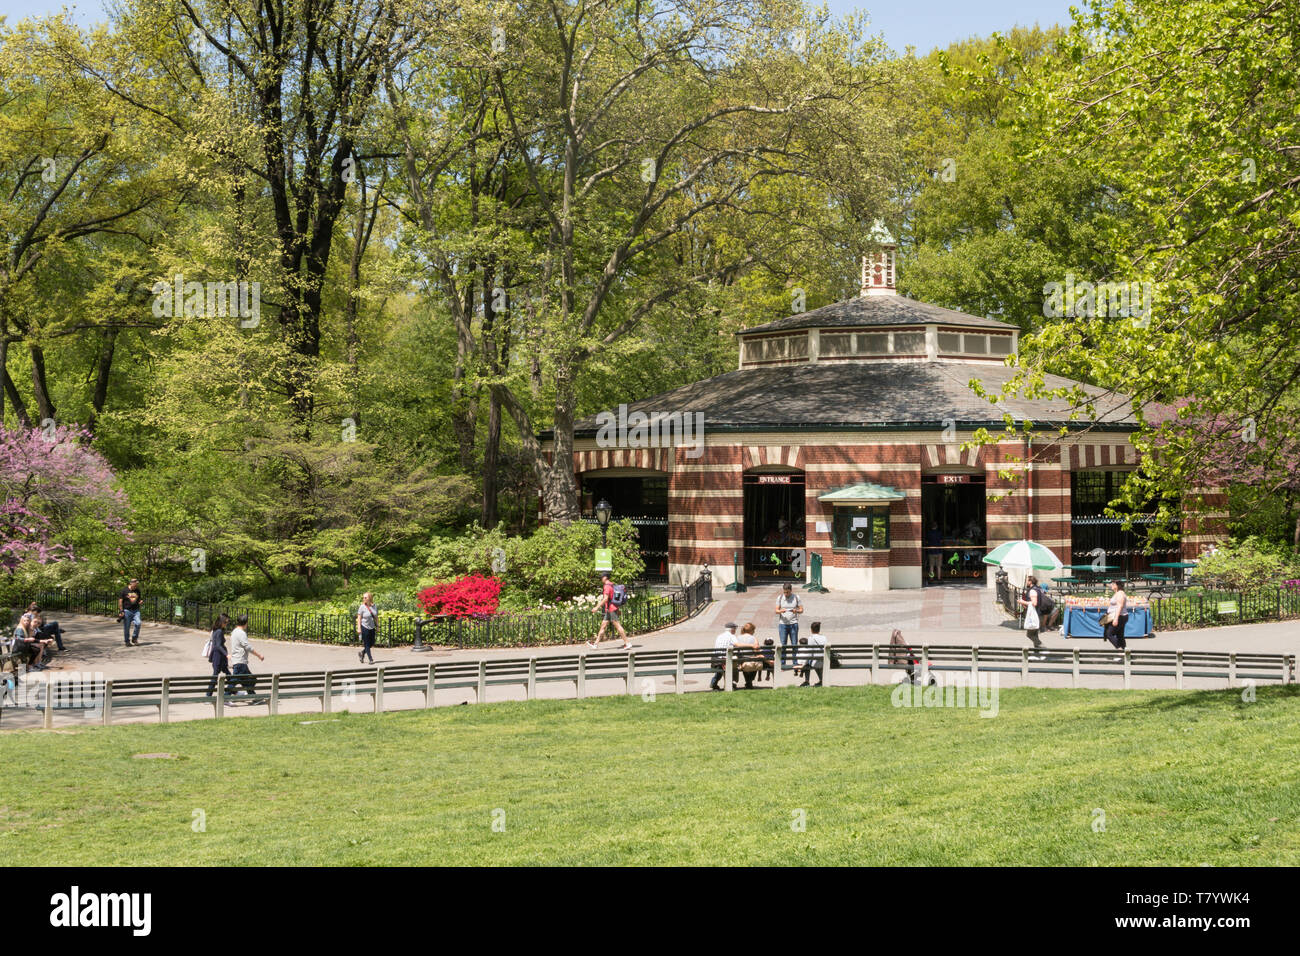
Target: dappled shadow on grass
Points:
(1206, 700)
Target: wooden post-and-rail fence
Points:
(639, 671)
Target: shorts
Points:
(611, 616)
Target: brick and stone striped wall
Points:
(706, 496)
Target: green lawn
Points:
(1183, 778)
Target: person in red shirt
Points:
(605, 606)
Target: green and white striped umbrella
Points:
(1023, 556)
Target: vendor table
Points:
(1086, 622)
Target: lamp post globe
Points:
(603, 511)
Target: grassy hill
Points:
(1182, 778)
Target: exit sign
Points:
(954, 479)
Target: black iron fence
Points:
(1208, 608)
(1195, 608)
(646, 611)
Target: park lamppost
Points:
(603, 511)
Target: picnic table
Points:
(1087, 573)
(1156, 581)
(1177, 567)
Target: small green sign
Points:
(604, 559)
(1227, 607)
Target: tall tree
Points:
(635, 128)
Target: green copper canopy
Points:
(861, 493)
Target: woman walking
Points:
(367, 621)
(1117, 615)
(218, 656)
(1030, 601)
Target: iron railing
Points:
(645, 612)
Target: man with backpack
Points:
(612, 598)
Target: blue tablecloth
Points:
(1086, 622)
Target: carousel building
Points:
(838, 440)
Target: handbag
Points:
(835, 660)
(1105, 620)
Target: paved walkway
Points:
(951, 615)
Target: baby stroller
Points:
(901, 655)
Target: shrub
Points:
(397, 601)
(471, 596)
(1248, 564)
(554, 564)
(473, 552)
(211, 590)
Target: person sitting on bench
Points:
(812, 656)
(49, 630)
(751, 665)
(28, 645)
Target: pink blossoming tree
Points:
(54, 487)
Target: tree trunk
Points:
(40, 390)
(464, 416)
(496, 355)
(558, 488)
(11, 390)
(493, 443)
(103, 366)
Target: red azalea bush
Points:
(471, 596)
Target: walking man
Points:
(788, 610)
(239, 651)
(128, 603)
(609, 611)
(367, 621)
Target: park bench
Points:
(12, 661)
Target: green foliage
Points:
(555, 563)
(1250, 564)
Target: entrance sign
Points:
(604, 559)
(774, 479)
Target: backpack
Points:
(620, 595)
(1045, 603)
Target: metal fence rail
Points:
(638, 672)
(644, 613)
